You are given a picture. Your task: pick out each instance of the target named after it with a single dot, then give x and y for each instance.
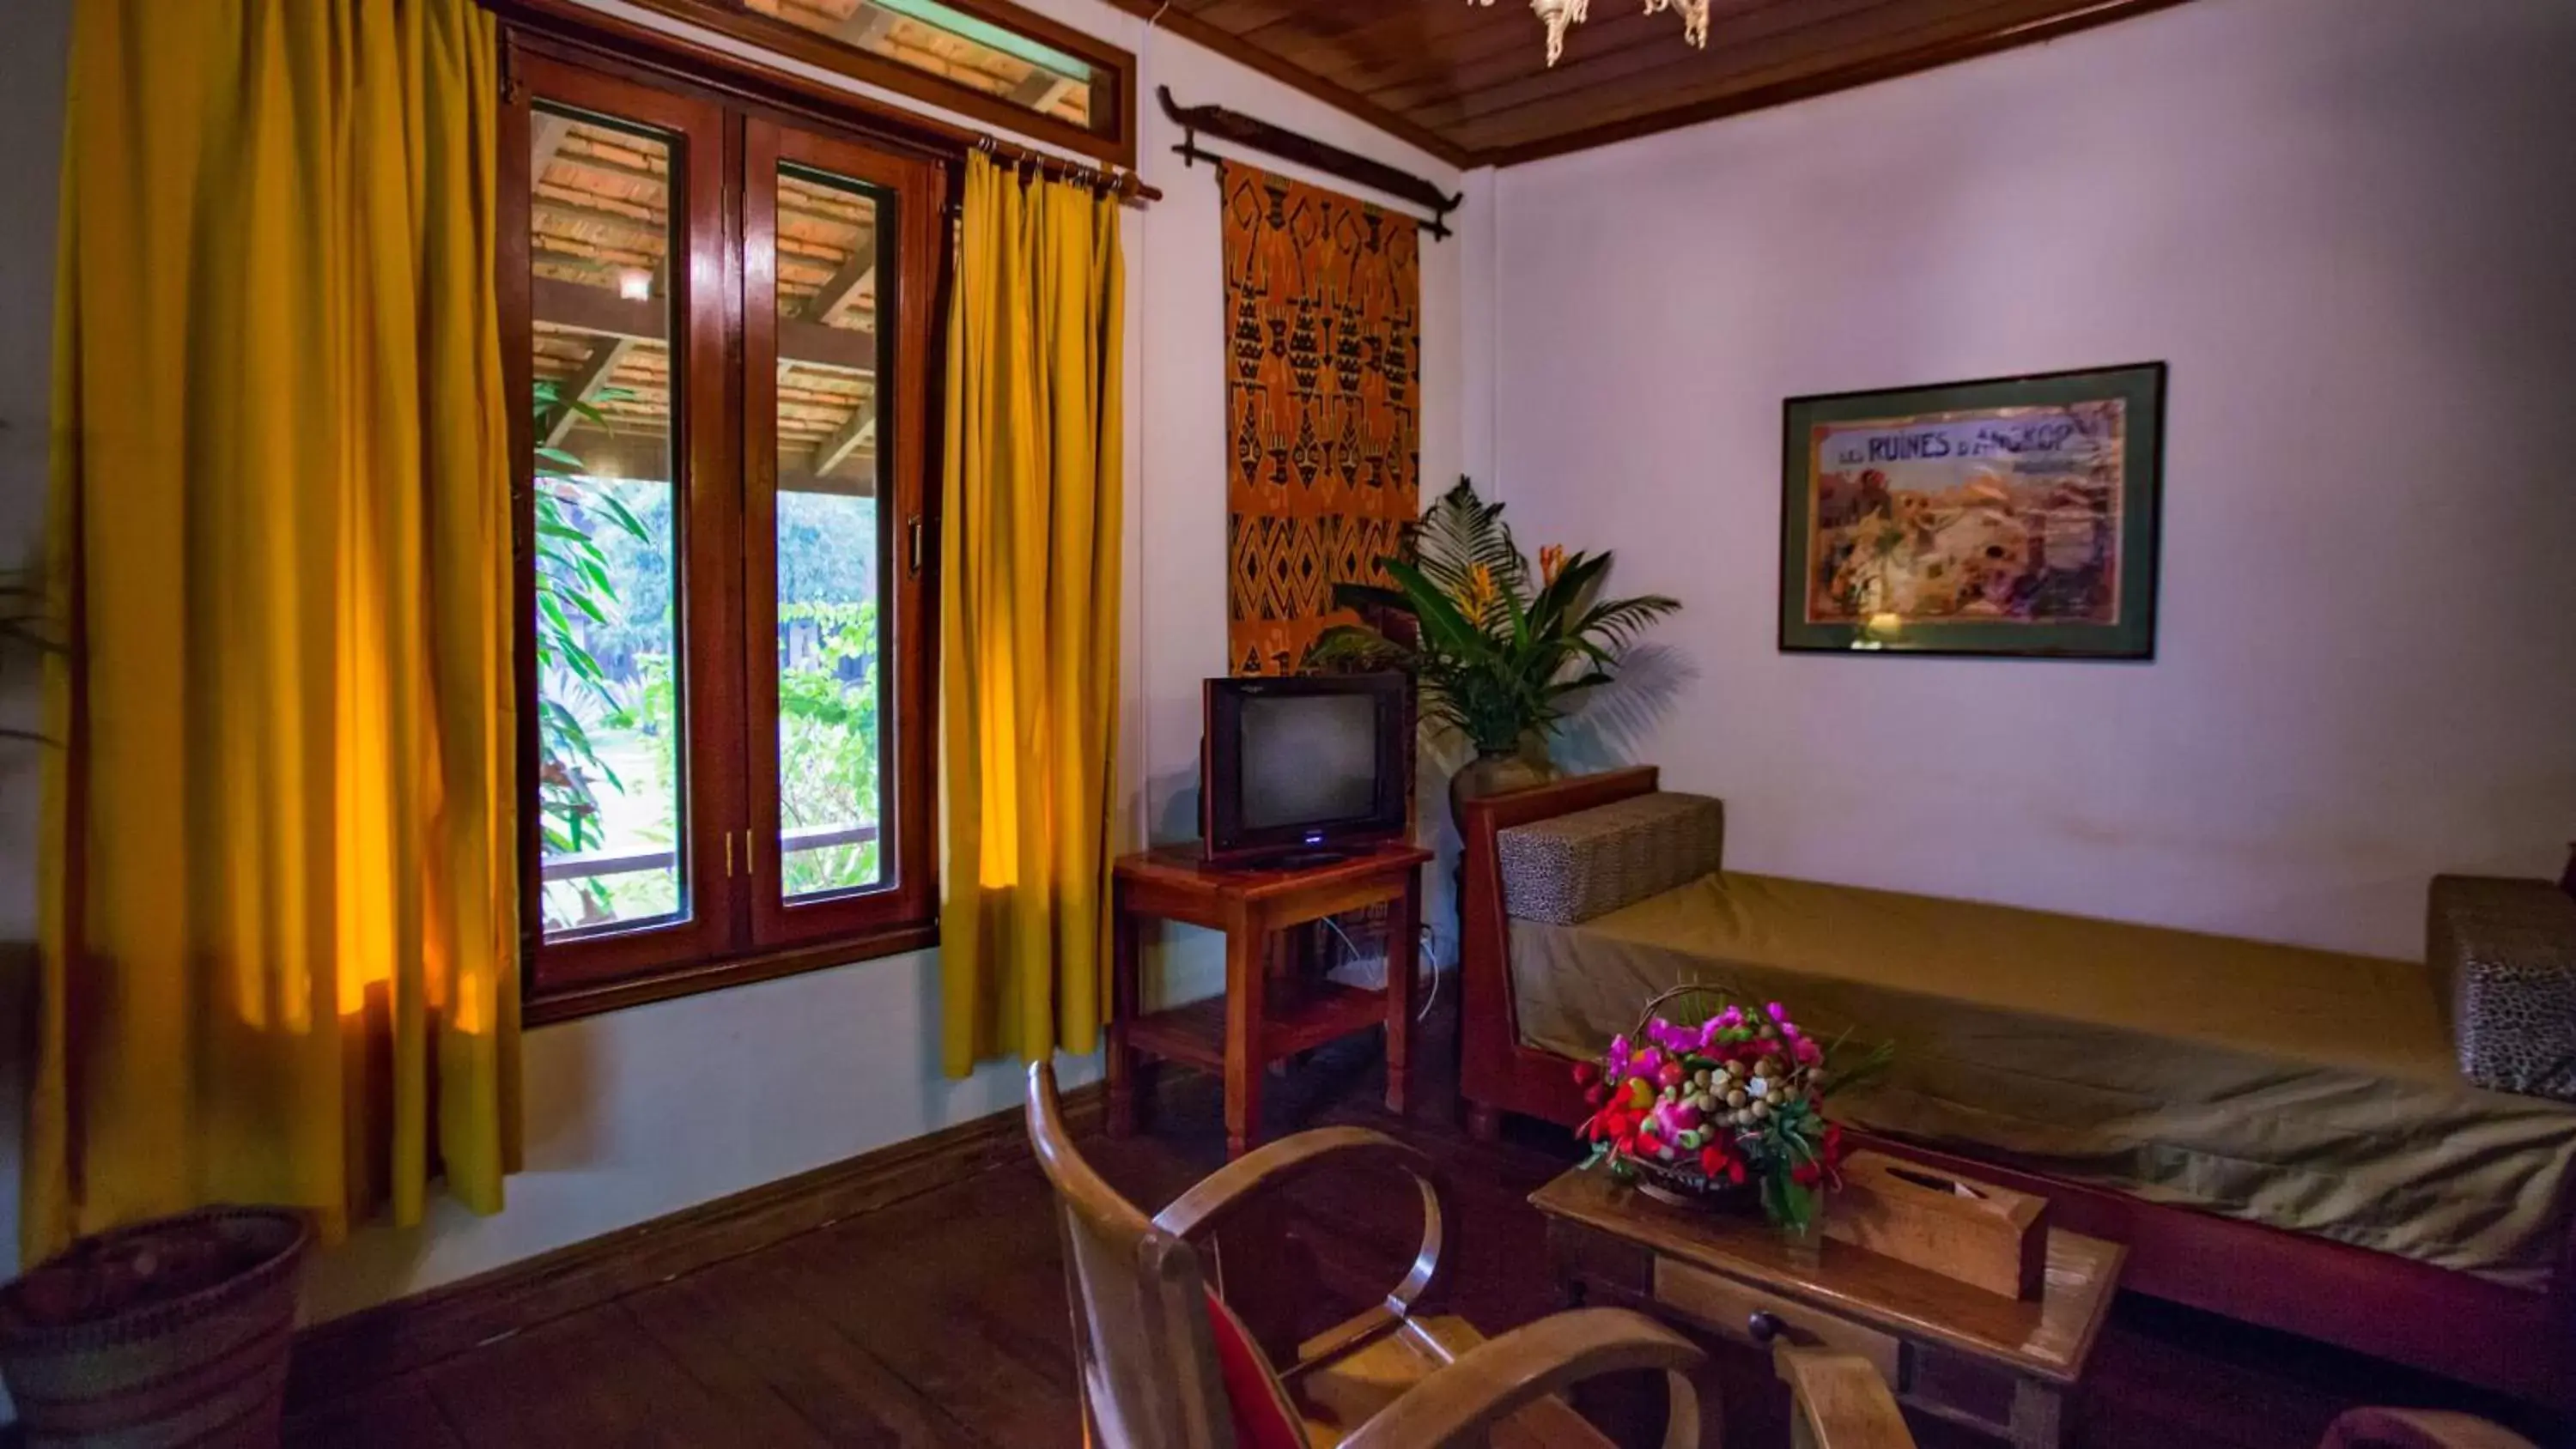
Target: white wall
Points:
(649, 1110)
(2349, 227)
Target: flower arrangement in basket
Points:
(1732, 1102)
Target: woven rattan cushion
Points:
(2504, 953)
(1571, 868)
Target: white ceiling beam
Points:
(1042, 88)
(585, 384)
(859, 431)
(848, 282)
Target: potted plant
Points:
(1495, 655)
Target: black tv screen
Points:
(1312, 763)
(1308, 759)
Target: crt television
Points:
(1307, 765)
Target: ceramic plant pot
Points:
(1499, 772)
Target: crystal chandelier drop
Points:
(1558, 15)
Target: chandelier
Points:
(1557, 15)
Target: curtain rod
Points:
(1127, 186)
(1306, 151)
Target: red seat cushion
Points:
(1260, 1420)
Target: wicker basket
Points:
(203, 1368)
(1670, 1182)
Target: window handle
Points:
(750, 855)
(913, 535)
(728, 855)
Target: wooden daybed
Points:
(2511, 1332)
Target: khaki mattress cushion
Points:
(2304, 1089)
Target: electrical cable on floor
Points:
(1425, 956)
(1348, 945)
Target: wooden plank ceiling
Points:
(600, 230)
(1471, 84)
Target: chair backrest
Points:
(1141, 1339)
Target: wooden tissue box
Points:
(1992, 1237)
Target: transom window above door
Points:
(990, 59)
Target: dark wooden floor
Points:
(941, 1320)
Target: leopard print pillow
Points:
(2504, 952)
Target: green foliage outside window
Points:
(609, 747)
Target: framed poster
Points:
(2013, 516)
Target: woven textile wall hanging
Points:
(1323, 305)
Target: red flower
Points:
(1824, 1169)
(1586, 1073)
(1595, 1095)
(1717, 1160)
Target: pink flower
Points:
(1778, 1012)
(1672, 1119)
(1807, 1052)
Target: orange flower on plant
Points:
(1551, 562)
(1480, 595)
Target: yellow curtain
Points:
(279, 916)
(1029, 600)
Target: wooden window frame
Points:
(1111, 136)
(724, 447)
(905, 719)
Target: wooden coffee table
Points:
(2001, 1365)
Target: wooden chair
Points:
(1147, 1337)
(1147, 1334)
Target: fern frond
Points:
(1619, 621)
(1461, 531)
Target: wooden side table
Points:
(1243, 1031)
(2000, 1365)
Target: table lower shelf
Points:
(1195, 1034)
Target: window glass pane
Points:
(944, 41)
(608, 671)
(831, 631)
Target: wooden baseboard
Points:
(347, 1355)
